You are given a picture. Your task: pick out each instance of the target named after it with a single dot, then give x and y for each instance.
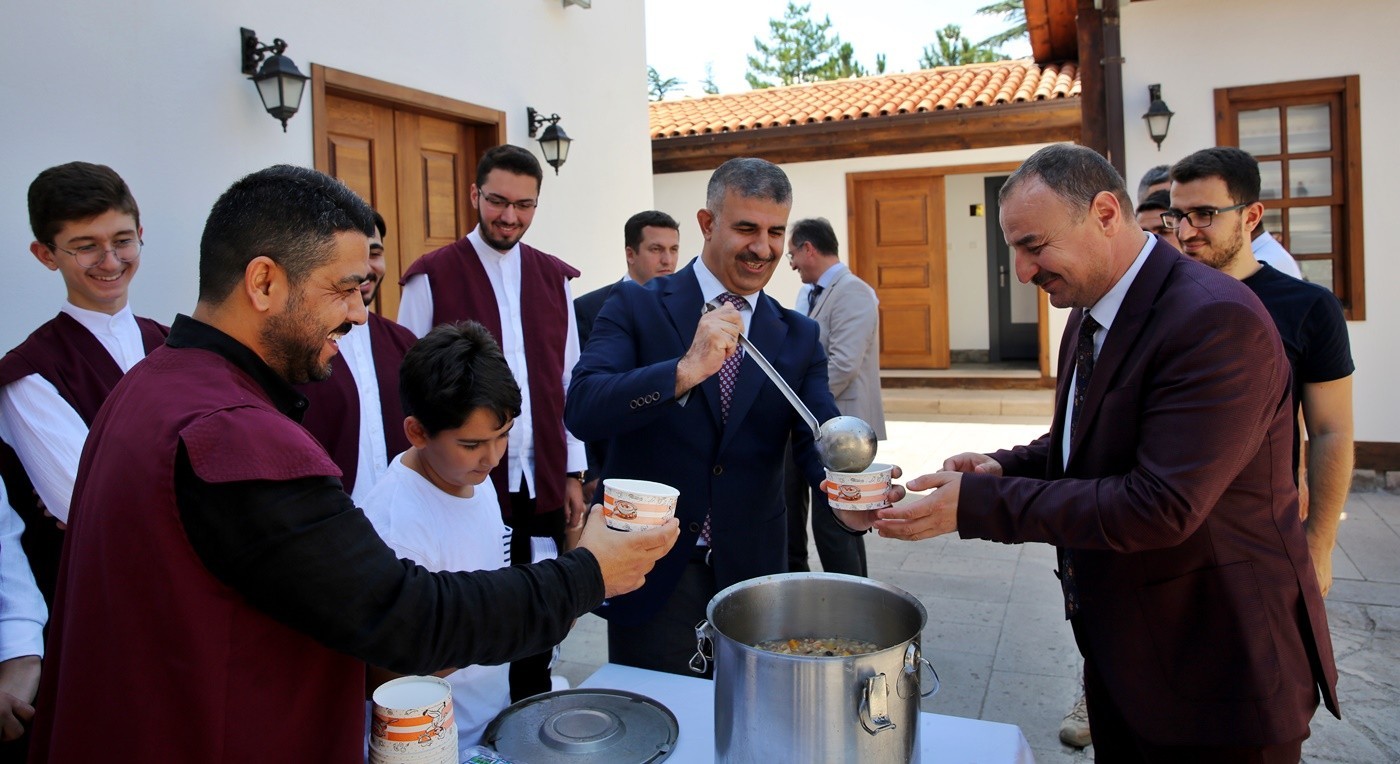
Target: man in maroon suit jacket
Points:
(356, 414)
(1184, 563)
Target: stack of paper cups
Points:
(413, 722)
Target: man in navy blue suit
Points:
(664, 381)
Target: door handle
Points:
(1001, 276)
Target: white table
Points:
(943, 739)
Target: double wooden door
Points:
(415, 169)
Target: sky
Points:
(684, 35)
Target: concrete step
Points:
(928, 401)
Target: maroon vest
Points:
(70, 358)
(150, 658)
(461, 290)
(333, 413)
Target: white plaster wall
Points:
(1256, 43)
(154, 90)
(819, 190)
(966, 236)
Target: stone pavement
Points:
(996, 630)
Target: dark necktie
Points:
(728, 378)
(1083, 367)
(812, 297)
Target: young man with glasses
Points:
(1214, 227)
(87, 228)
(522, 296)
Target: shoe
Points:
(1074, 730)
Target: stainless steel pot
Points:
(785, 708)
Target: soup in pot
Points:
(831, 647)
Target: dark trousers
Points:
(666, 641)
(530, 675)
(840, 550)
(1115, 742)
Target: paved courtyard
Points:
(997, 633)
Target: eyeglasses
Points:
(500, 202)
(90, 255)
(1202, 218)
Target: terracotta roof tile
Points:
(975, 86)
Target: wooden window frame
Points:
(1349, 268)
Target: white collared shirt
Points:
(711, 289)
(44, 430)
(372, 457)
(503, 270)
(1266, 249)
(1104, 311)
(22, 608)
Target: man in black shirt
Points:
(214, 564)
(1214, 206)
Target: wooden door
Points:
(899, 247)
(360, 139)
(410, 154)
(436, 161)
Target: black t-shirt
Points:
(1313, 329)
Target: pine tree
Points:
(952, 49)
(1014, 13)
(657, 88)
(799, 50)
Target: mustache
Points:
(749, 257)
(1039, 279)
(344, 329)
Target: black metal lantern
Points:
(280, 84)
(554, 142)
(1158, 116)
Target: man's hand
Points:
(19, 681)
(1320, 549)
(925, 517)
(626, 557)
(575, 512)
(972, 463)
(716, 338)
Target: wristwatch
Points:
(576, 476)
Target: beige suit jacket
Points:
(848, 313)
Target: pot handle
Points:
(923, 663)
(874, 706)
(700, 661)
(915, 662)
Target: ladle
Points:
(844, 443)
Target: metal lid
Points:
(613, 726)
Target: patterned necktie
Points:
(812, 298)
(1083, 367)
(729, 372)
(728, 377)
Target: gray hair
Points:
(1075, 173)
(751, 178)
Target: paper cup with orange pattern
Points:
(413, 722)
(859, 490)
(637, 505)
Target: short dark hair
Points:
(512, 159)
(380, 225)
(1157, 200)
(76, 191)
(751, 178)
(632, 229)
(1236, 167)
(1075, 173)
(1152, 177)
(286, 213)
(454, 370)
(816, 231)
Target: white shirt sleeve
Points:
(577, 458)
(48, 436)
(22, 610)
(416, 305)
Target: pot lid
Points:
(584, 725)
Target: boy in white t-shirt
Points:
(435, 505)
